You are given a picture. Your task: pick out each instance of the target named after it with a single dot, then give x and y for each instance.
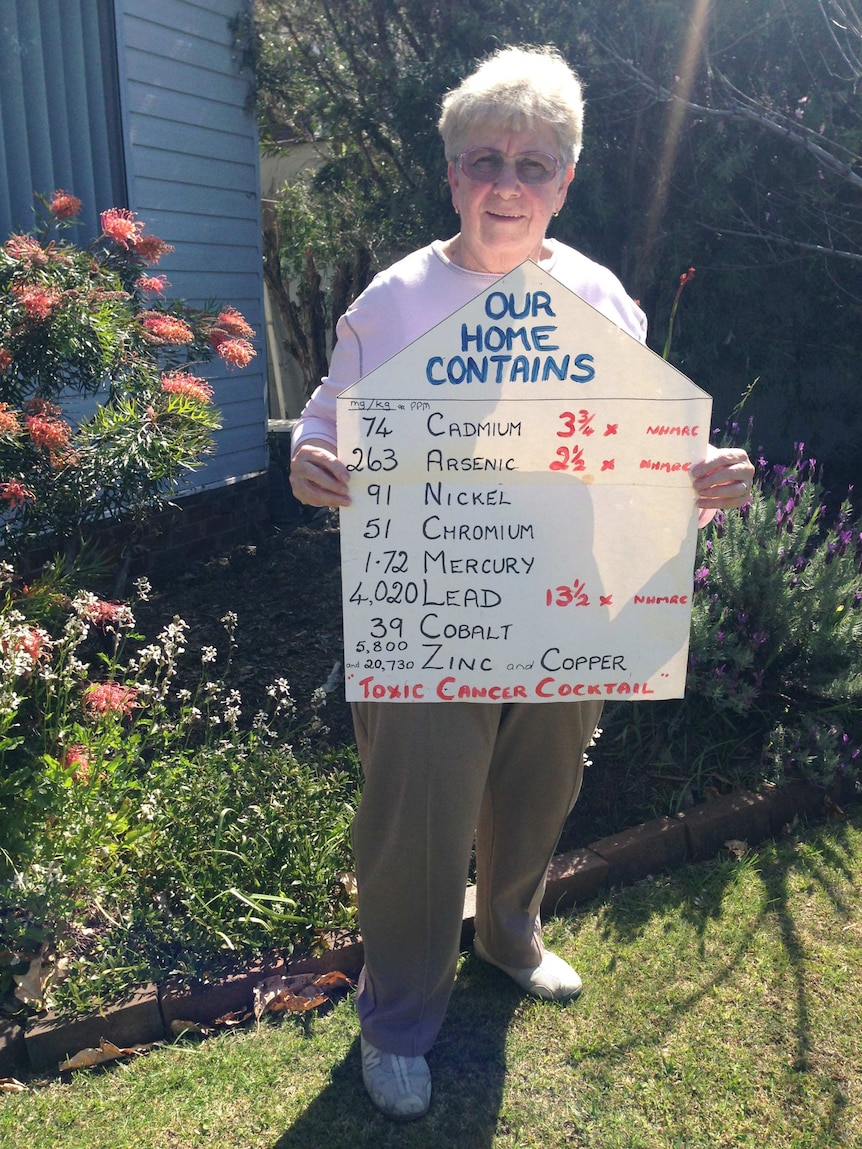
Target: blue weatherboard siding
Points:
(192, 171)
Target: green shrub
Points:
(775, 677)
(152, 829)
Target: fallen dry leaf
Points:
(347, 879)
(10, 1085)
(284, 994)
(30, 986)
(236, 1018)
(833, 810)
(789, 828)
(180, 1027)
(286, 1002)
(737, 847)
(107, 1051)
(296, 993)
(333, 980)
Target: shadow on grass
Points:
(468, 1062)
(468, 1068)
(696, 894)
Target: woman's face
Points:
(503, 223)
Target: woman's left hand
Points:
(723, 480)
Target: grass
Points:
(721, 1011)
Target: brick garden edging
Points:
(651, 848)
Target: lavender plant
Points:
(777, 624)
(774, 684)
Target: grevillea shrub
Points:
(91, 322)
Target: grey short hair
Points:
(517, 87)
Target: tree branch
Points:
(783, 241)
(741, 107)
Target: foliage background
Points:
(721, 136)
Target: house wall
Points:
(193, 179)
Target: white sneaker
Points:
(400, 1087)
(553, 979)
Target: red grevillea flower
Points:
(108, 615)
(76, 760)
(118, 223)
(110, 698)
(231, 324)
(35, 643)
(230, 335)
(237, 352)
(9, 421)
(5, 359)
(150, 248)
(37, 301)
(184, 383)
(160, 328)
(27, 648)
(39, 406)
(64, 205)
(26, 249)
(16, 494)
(152, 284)
(48, 434)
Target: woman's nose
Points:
(507, 181)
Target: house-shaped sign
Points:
(522, 524)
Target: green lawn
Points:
(722, 1010)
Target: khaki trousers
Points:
(435, 775)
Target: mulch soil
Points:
(286, 594)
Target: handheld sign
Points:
(522, 524)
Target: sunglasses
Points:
(485, 166)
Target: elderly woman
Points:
(436, 776)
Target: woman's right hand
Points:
(317, 477)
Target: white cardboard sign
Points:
(522, 524)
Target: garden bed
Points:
(194, 843)
(286, 593)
